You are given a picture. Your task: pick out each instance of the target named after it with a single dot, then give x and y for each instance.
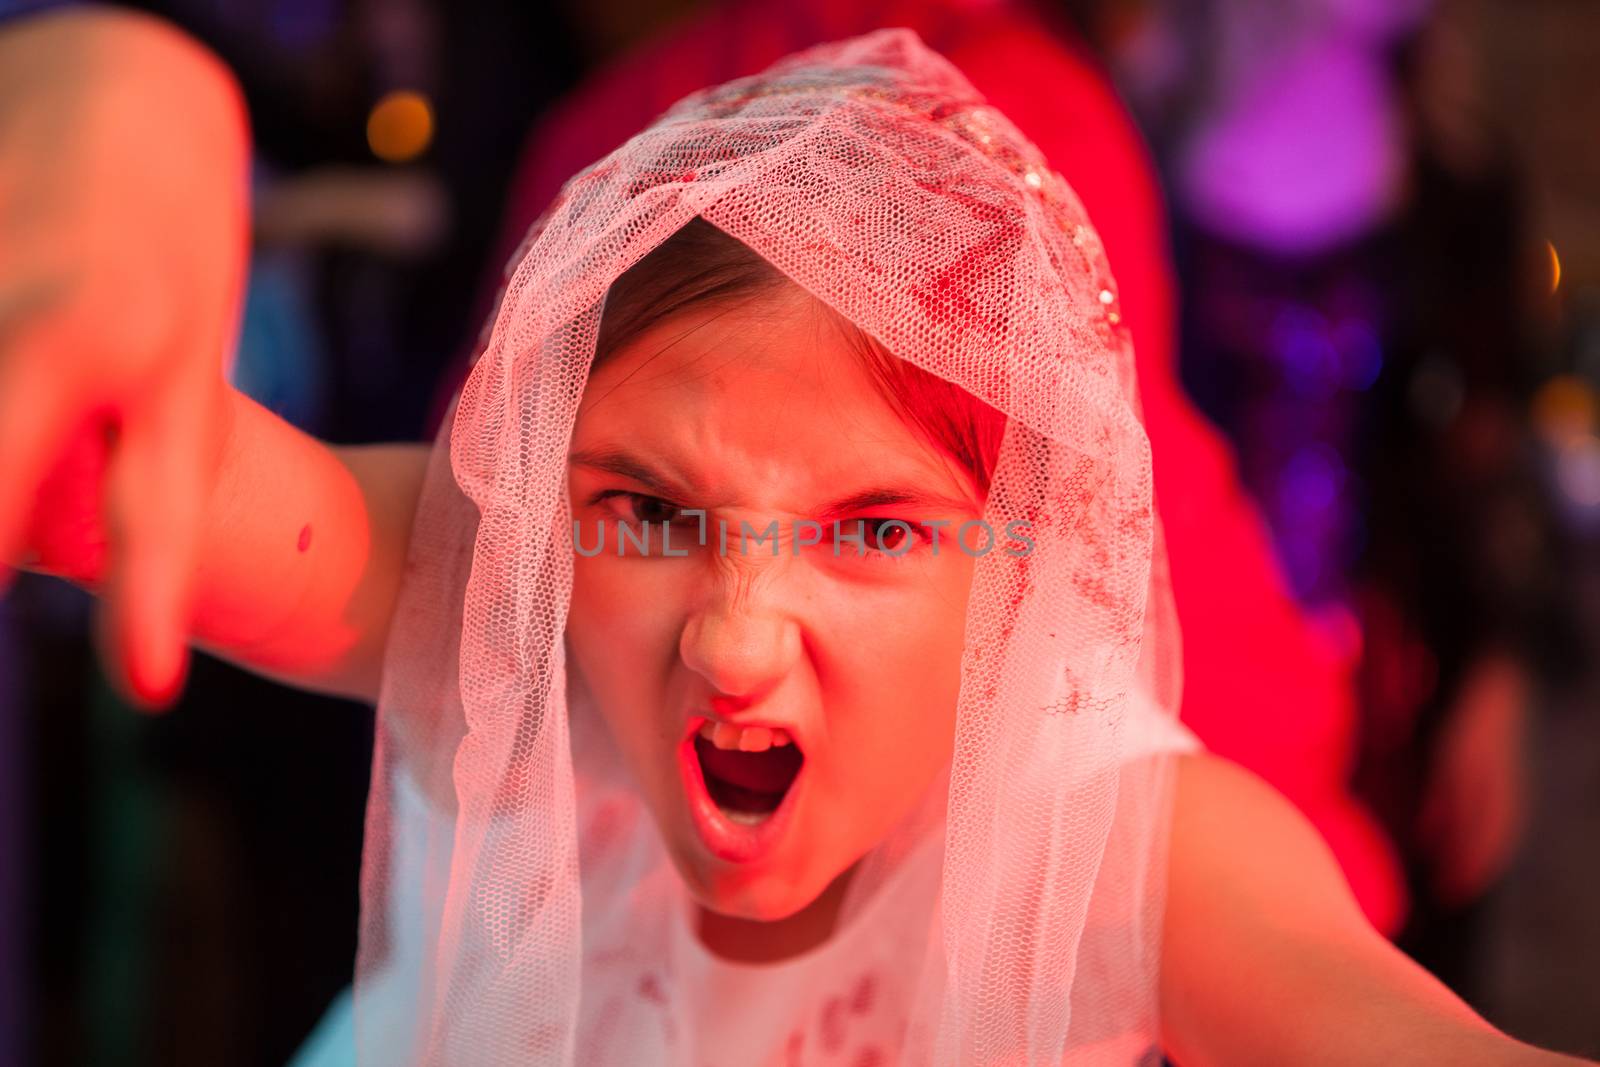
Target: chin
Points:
(756, 896)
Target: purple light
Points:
(1311, 366)
(1310, 483)
(1361, 357)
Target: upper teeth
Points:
(744, 738)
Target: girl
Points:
(776, 664)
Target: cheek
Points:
(902, 667)
(622, 637)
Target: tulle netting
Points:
(514, 895)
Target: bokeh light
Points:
(1565, 409)
(400, 127)
(1578, 471)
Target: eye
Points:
(640, 507)
(636, 507)
(656, 525)
(881, 537)
(889, 535)
(652, 509)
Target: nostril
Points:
(726, 704)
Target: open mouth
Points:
(742, 792)
(747, 786)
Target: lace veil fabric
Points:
(515, 898)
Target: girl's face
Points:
(782, 703)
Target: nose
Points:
(741, 648)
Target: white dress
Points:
(857, 1024)
(854, 1023)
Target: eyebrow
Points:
(893, 496)
(616, 461)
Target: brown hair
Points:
(700, 264)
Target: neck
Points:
(757, 941)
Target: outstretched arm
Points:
(301, 553)
(1268, 960)
(127, 463)
(299, 549)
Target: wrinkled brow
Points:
(619, 462)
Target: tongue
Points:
(771, 771)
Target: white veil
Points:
(514, 892)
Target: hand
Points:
(123, 240)
(1475, 806)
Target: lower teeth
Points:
(748, 818)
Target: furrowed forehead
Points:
(750, 401)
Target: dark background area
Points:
(181, 889)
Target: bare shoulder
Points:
(1267, 958)
(1224, 812)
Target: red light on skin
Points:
(725, 839)
(67, 536)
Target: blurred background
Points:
(1384, 221)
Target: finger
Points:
(38, 413)
(155, 499)
(67, 535)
